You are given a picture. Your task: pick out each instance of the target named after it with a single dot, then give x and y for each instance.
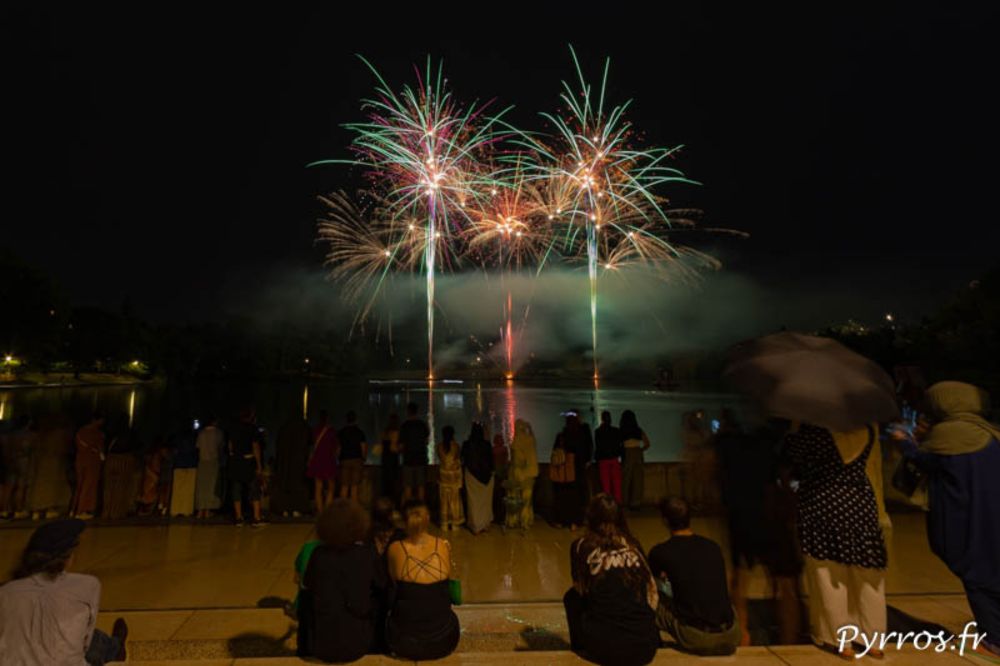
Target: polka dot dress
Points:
(838, 514)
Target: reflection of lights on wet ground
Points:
(131, 408)
(3, 407)
(305, 402)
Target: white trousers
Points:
(842, 595)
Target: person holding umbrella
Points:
(834, 398)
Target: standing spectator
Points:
(322, 467)
(761, 529)
(413, 437)
(17, 452)
(450, 479)
(839, 530)
(477, 459)
(611, 607)
(47, 615)
(211, 445)
(523, 472)
(960, 453)
(422, 626)
(635, 443)
(694, 601)
(245, 467)
(698, 472)
(390, 458)
(353, 453)
(290, 487)
(501, 465)
(156, 478)
(608, 451)
(577, 437)
(567, 504)
(50, 493)
(120, 470)
(185, 471)
(387, 525)
(89, 461)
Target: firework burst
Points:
(421, 150)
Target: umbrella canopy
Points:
(814, 380)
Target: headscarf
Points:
(962, 428)
(523, 451)
(477, 454)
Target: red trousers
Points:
(611, 478)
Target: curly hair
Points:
(342, 524)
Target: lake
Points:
(160, 408)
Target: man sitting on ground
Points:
(47, 615)
(694, 598)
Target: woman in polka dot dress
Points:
(839, 531)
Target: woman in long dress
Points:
(211, 444)
(450, 481)
(322, 467)
(840, 534)
(635, 443)
(521, 480)
(89, 464)
(477, 459)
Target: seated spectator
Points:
(694, 598)
(422, 625)
(611, 608)
(47, 615)
(343, 583)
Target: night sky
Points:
(159, 155)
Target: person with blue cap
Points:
(47, 614)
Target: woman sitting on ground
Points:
(343, 584)
(611, 608)
(421, 624)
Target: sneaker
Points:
(120, 631)
(296, 514)
(239, 522)
(85, 516)
(258, 523)
(21, 515)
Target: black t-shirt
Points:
(607, 442)
(243, 436)
(697, 575)
(413, 436)
(618, 591)
(242, 466)
(351, 438)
